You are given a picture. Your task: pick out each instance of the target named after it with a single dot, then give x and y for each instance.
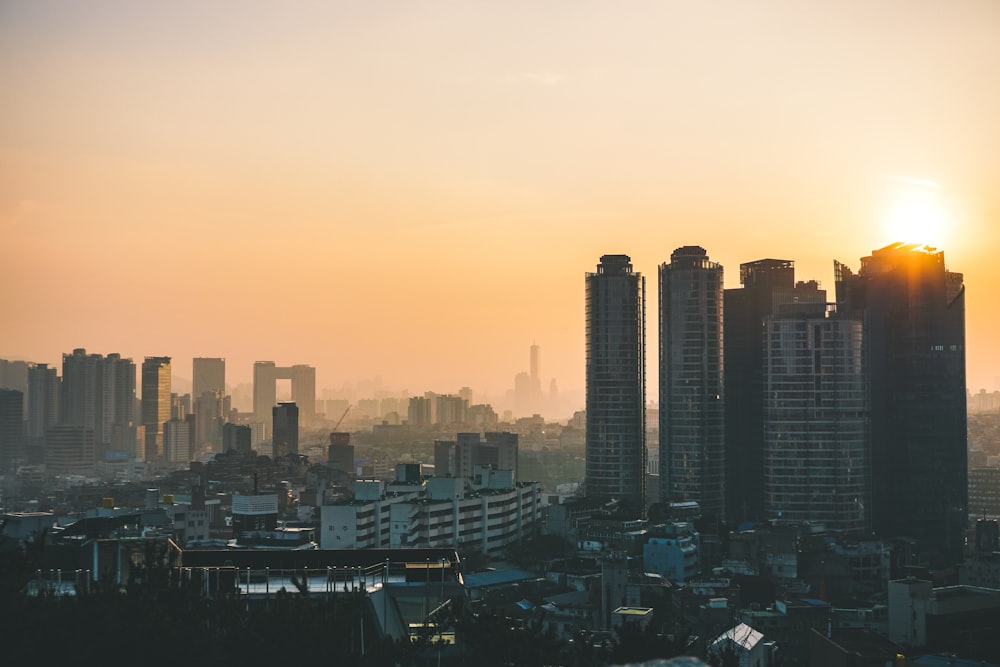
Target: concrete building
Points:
(69, 450)
(672, 550)
(177, 441)
(691, 403)
(446, 511)
(11, 429)
(616, 383)
(43, 401)
(237, 437)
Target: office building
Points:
(156, 403)
(914, 346)
(177, 441)
(285, 416)
(766, 285)
(208, 374)
(691, 413)
(816, 447)
(616, 384)
(265, 392)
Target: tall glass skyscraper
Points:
(616, 384)
(914, 346)
(692, 417)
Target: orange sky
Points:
(415, 190)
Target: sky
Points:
(413, 191)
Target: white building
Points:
(488, 513)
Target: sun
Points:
(917, 214)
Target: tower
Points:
(155, 402)
(766, 284)
(616, 383)
(692, 428)
(914, 345)
(816, 446)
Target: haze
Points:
(414, 191)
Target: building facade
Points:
(691, 407)
(155, 403)
(285, 416)
(616, 383)
(816, 446)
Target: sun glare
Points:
(917, 215)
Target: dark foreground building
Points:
(914, 345)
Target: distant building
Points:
(265, 376)
(177, 441)
(237, 437)
(208, 374)
(69, 450)
(155, 403)
(43, 400)
(616, 383)
(285, 417)
(672, 550)
(11, 429)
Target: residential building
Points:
(692, 452)
(616, 383)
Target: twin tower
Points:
(775, 402)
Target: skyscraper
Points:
(766, 285)
(914, 346)
(83, 391)
(816, 446)
(692, 428)
(208, 374)
(155, 402)
(616, 383)
(286, 429)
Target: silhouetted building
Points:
(914, 346)
(691, 414)
(616, 383)
(155, 402)
(766, 285)
(340, 453)
(83, 391)
(11, 428)
(43, 400)
(286, 429)
(816, 447)
(237, 437)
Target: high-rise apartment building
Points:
(208, 374)
(816, 446)
(285, 416)
(155, 402)
(766, 285)
(616, 384)
(177, 438)
(692, 417)
(237, 437)
(43, 401)
(83, 391)
(914, 345)
(118, 417)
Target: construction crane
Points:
(341, 417)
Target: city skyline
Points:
(333, 187)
